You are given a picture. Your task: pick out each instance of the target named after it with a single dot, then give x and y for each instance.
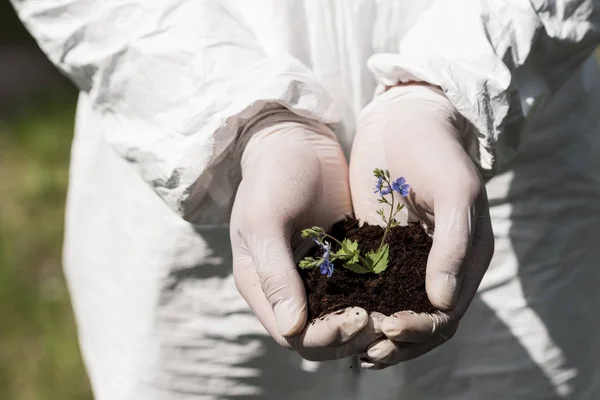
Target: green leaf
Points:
(394, 223)
(378, 260)
(382, 200)
(309, 263)
(350, 245)
(399, 207)
(387, 173)
(357, 267)
(349, 252)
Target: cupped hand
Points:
(294, 176)
(415, 132)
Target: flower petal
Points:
(330, 271)
(404, 190)
(378, 185)
(397, 184)
(324, 269)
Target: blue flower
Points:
(326, 266)
(378, 185)
(400, 186)
(380, 189)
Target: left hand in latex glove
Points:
(294, 176)
(415, 132)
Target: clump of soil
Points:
(400, 287)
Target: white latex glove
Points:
(294, 176)
(415, 132)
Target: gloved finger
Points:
(365, 363)
(279, 280)
(477, 261)
(391, 353)
(445, 265)
(349, 343)
(410, 327)
(471, 270)
(383, 350)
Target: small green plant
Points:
(375, 261)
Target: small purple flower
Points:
(400, 186)
(378, 185)
(380, 189)
(326, 266)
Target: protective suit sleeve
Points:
(498, 62)
(174, 82)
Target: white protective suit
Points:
(167, 85)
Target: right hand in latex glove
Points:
(415, 132)
(294, 176)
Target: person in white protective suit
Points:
(240, 116)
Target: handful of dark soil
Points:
(400, 287)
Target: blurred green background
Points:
(39, 353)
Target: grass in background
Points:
(39, 352)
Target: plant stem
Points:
(334, 239)
(389, 221)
